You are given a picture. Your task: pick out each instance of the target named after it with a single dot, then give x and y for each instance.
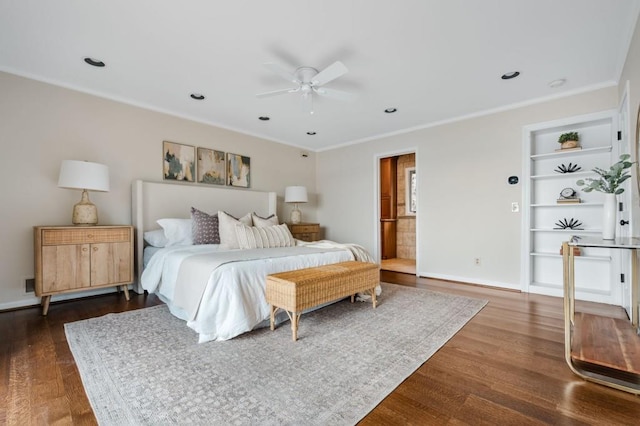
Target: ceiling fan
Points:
(309, 81)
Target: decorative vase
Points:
(569, 144)
(609, 217)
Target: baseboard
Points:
(475, 281)
(31, 300)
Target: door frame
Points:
(376, 202)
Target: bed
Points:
(218, 289)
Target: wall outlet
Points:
(476, 261)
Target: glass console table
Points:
(602, 348)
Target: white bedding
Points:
(233, 301)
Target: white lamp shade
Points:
(295, 194)
(83, 175)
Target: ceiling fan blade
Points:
(278, 69)
(335, 94)
(331, 72)
(276, 92)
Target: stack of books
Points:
(568, 201)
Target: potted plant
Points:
(568, 140)
(610, 180)
(609, 183)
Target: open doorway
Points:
(398, 208)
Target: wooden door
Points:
(110, 263)
(65, 267)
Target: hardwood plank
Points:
(506, 366)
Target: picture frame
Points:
(178, 162)
(211, 166)
(238, 170)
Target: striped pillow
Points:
(250, 237)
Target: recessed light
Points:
(264, 118)
(510, 75)
(390, 110)
(197, 96)
(557, 83)
(311, 133)
(94, 62)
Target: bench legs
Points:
(294, 317)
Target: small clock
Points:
(568, 193)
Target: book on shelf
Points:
(568, 201)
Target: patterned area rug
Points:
(145, 367)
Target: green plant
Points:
(570, 136)
(610, 180)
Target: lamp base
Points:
(296, 215)
(85, 213)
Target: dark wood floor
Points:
(506, 366)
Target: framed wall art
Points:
(238, 170)
(178, 161)
(211, 166)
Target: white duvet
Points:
(233, 301)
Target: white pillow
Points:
(176, 231)
(156, 238)
(226, 227)
(261, 222)
(250, 237)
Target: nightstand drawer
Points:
(303, 229)
(84, 235)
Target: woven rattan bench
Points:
(295, 291)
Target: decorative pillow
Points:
(156, 238)
(176, 231)
(261, 222)
(227, 223)
(266, 237)
(204, 227)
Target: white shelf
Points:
(568, 231)
(571, 153)
(564, 175)
(569, 204)
(581, 257)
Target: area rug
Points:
(145, 367)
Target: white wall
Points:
(464, 202)
(41, 125)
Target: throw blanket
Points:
(196, 269)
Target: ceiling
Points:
(433, 60)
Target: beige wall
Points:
(41, 125)
(464, 201)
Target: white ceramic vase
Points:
(609, 217)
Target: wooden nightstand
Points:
(305, 231)
(73, 258)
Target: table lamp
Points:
(88, 177)
(295, 194)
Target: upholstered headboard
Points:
(156, 200)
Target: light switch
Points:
(515, 207)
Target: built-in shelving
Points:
(571, 152)
(542, 242)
